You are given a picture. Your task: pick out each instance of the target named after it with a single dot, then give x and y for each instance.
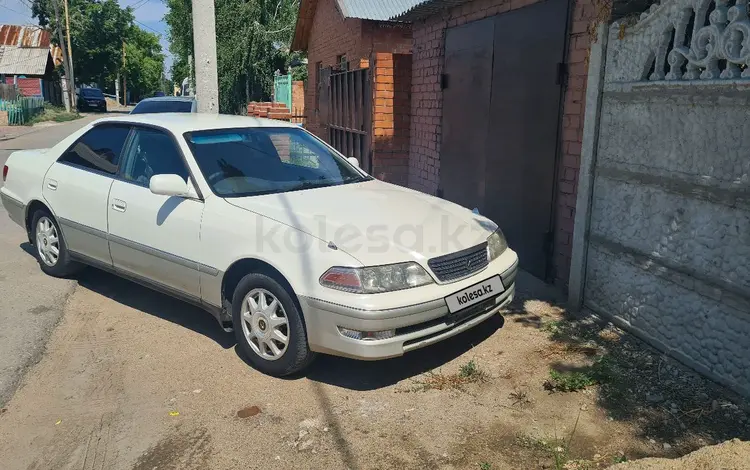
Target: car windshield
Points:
(92, 93)
(163, 106)
(263, 160)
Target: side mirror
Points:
(168, 185)
(353, 161)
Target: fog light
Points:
(367, 335)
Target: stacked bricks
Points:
(391, 117)
(269, 110)
(426, 107)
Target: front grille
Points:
(459, 264)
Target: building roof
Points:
(179, 123)
(423, 8)
(375, 10)
(24, 36)
(378, 10)
(25, 60)
(420, 9)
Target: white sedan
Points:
(265, 226)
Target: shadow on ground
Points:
(154, 303)
(665, 400)
(371, 375)
(338, 371)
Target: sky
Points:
(149, 15)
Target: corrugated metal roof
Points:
(379, 10)
(24, 36)
(423, 8)
(57, 56)
(24, 60)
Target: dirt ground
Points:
(135, 380)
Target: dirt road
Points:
(31, 303)
(135, 380)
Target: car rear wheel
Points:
(269, 327)
(51, 251)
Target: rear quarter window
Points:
(163, 107)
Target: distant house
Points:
(27, 60)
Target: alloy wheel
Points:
(265, 324)
(47, 241)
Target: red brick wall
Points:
(298, 98)
(391, 117)
(426, 108)
(332, 35)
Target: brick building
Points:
(340, 34)
(496, 103)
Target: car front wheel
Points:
(269, 327)
(51, 251)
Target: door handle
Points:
(52, 184)
(119, 206)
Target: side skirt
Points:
(217, 312)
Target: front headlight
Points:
(376, 279)
(496, 244)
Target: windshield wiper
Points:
(312, 184)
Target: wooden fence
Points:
(22, 109)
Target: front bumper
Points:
(416, 326)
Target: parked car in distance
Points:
(159, 94)
(91, 99)
(166, 104)
(265, 226)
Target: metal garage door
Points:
(501, 114)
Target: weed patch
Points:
(53, 113)
(568, 381)
(467, 373)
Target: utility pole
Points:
(70, 53)
(191, 85)
(66, 64)
(124, 79)
(117, 88)
(204, 45)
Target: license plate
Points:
(475, 294)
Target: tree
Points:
(252, 38)
(144, 65)
(98, 29)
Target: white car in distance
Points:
(265, 226)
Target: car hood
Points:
(375, 222)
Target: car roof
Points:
(168, 98)
(179, 123)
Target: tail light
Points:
(5, 172)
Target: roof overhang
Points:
(302, 28)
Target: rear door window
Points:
(99, 149)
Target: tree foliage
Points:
(144, 63)
(99, 29)
(252, 42)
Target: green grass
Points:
(471, 372)
(485, 466)
(569, 381)
(53, 113)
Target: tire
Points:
(297, 355)
(63, 266)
